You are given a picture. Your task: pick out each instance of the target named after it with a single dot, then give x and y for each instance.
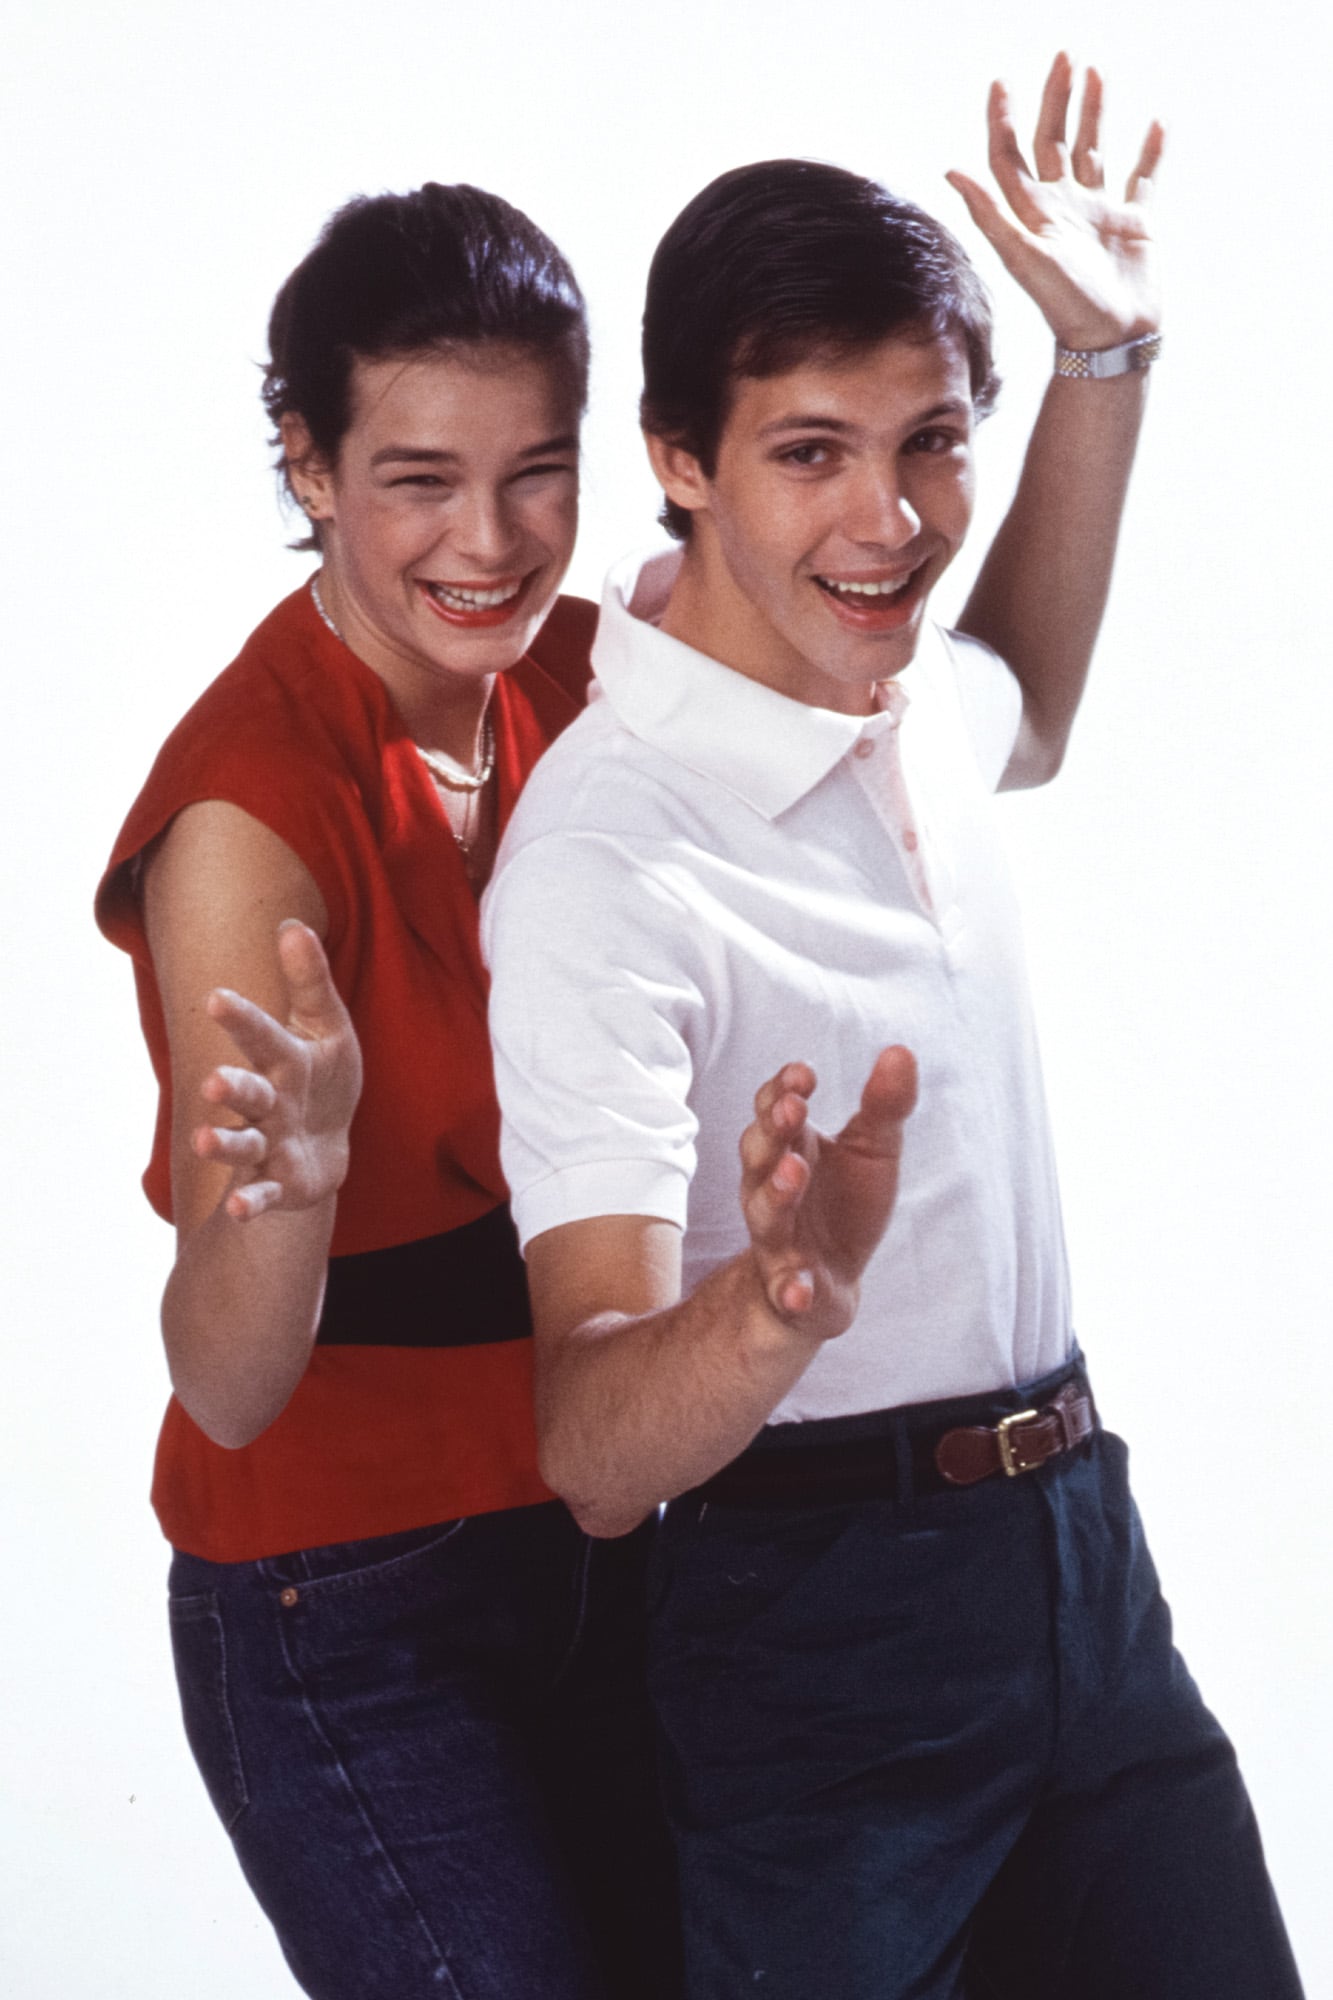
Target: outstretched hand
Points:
(296, 1099)
(816, 1207)
(1086, 259)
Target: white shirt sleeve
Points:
(593, 1009)
(991, 699)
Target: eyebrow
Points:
(409, 454)
(955, 406)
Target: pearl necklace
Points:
(456, 776)
(319, 606)
(445, 770)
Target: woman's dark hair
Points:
(401, 273)
(776, 263)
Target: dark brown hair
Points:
(393, 274)
(775, 263)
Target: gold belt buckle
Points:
(1012, 1464)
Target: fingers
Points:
(771, 1199)
(1140, 183)
(792, 1294)
(1011, 244)
(263, 1041)
(245, 1147)
(775, 1175)
(255, 1198)
(316, 1009)
(1086, 157)
(770, 1205)
(888, 1100)
(1011, 170)
(1049, 150)
(797, 1077)
(241, 1091)
(781, 1108)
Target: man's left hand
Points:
(1086, 260)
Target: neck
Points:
(455, 725)
(439, 715)
(708, 610)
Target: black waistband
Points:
(465, 1287)
(876, 1453)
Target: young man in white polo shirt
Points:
(922, 1720)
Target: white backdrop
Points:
(167, 164)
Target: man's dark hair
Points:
(441, 267)
(780, 262)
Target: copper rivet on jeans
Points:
(289, 1597)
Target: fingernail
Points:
(807, 1284)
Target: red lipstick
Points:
(449, 601)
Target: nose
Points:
(879, 513)
(482, 529)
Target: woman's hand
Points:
(1086, 259)
(296, 1099)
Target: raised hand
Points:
(296, 1099)
(816, 1207)
(1085, 258)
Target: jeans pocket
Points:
(350, 1615)
(351, 1566)
(199, 1645)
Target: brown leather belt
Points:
(904, 1452)
(1019, 1443)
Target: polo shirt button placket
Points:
(895, 804)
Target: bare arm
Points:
(642, 1394)
(254, 1193)
(1087, 262)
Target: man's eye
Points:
(934, 440)
(806, 454)
(551, 471)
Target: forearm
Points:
(632, 1411)
(239, 1315)
(1042, 590)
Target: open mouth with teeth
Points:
(475, 604)
(879, 604)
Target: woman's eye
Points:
(552, 471)
(419, 482)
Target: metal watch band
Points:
(1099, 363)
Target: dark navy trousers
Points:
(941, 1745)
(434, 1757)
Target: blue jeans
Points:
(432, 1753)
(941, 1744)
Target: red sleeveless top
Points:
(417, 1403)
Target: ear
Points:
(308, 470)
(679, 473)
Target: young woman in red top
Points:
(411, 1684)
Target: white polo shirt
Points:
(705, 880)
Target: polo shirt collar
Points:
(760, 745)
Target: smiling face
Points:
(841, 493)
(448, 519)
